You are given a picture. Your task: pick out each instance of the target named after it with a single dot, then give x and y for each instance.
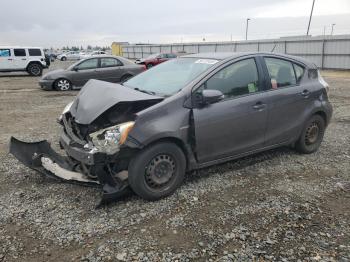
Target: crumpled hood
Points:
(98, 96)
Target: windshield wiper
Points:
(144, 91)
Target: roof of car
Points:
(7, 47)
(123, 59)
(231, 55)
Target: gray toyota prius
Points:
(185, 114)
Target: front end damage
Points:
(94, 138)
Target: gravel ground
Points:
(273, 206)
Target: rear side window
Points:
(281, 72)
(110, 62)
(299, 72)
(34, 52)
(19, 52)
(240, 78)
(5, 52)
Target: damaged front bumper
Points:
(41, 157)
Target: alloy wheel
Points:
(63, 84)
(35, 69)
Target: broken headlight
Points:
(65, 110)
(109, 139)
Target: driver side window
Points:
(88, 64)
(240, 78)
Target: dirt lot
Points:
(277, 205)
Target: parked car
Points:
(155, 59)
(189, 113)
(108, 68)
(90, 54)
(71, 55)
(29, 59)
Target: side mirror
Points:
(210, 96)
(76, 69)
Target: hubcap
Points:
(160, 171)
(63, 84)
(312, 134)
(35, 70)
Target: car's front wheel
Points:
(312, 135)
(148, 66)
(35, 69)
(157, 171)
(64, 58)
(63, 84)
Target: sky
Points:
(57, 23)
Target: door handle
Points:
(259, 106)
(305, 93)
(24, 59)
(10, 59)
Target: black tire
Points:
(148, 66)
(64, 58)
(62, 84)
(125, 78)
(35, 69)
(157, 171)
(312, 135)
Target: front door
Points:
(236, 124)
(6, 60)
(85, 71)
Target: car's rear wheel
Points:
(63, 84)
(64, 58)
(35, 69)
(149, 66)
(312, 135)
(125, 78)
(157, 171)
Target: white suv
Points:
(30, 59)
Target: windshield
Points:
(170, 77)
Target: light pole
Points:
(332, 29)
(312, 9)
(246, 29)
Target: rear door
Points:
(6, 60)
(85, 71)
(236, 124)
(20, 58)
(287, 100)
(111, 70)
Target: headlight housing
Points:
(65, 110)
(109, 139)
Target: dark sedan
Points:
(107, 68)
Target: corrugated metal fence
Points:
(331, 52)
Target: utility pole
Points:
(332, 29)
(312, 10)
(246, 29)
(324, 31)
